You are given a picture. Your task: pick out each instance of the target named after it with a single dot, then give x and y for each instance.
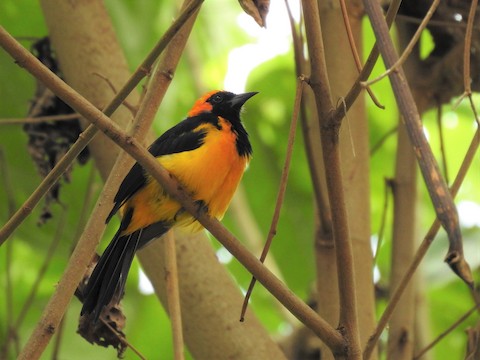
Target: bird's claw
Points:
(202, 207)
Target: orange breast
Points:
(211, 173)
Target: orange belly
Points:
(210, 173)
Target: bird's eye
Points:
(217, 98)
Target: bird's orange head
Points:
(221, 103)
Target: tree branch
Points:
(421, 251)
(302, 311)
(173, 294)
(437, 188)
(83, 140)
(367, 68)
(281, 191)
(329, 131)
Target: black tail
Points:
(110, 274)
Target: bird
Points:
(207, 153)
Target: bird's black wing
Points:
(182, 137)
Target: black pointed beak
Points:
(238, 100)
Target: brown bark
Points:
(303, 343)
(401, 339)
(329, 133)
(354, 151)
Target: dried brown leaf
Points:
(100, 333)
(258, 9)
(108, 330)
(48, 141)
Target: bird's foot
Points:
(202, 207)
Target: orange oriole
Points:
(207, 152)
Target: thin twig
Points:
(466, 51)
(421, 251)
(353, 47)
(249, 231)
(474, 110)
(122, 339)
(142, 70)
(466, 55)
(367, 68)
(409, 48)
(282, 188)
(350, 137)
(382, 140)
(433, 22)
(307, 118)
(447, 331)
(173, 294)
(442, 143)
(383, 220)
(301, 310)
(39, 119)
(133, 109)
